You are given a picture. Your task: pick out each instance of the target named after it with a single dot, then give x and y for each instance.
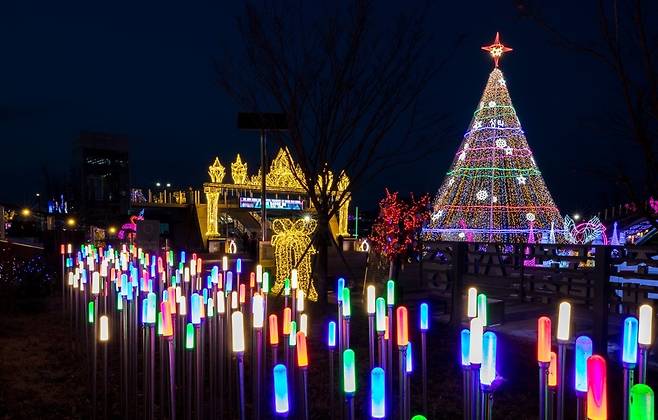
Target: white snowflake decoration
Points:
(437, 215)
(461, 235)
(451, 181)
(530, 217)
(532, 160)
(477, 125)
(501, 143)
(494, 199)
(465, 146)
(462, 156)
(508, 151)
(502, 81)
(492, 104)
(482, 195)
(521, 179)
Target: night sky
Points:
(145, 70)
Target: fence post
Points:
(459, 268)
(601, 299)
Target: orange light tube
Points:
(402, 326)
(274, 330)
(544, 339)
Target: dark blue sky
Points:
(144, 69)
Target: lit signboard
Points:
(271, 203)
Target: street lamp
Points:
(576, 217)
(26, 212)
(112, 230)
(263, 122)
(70, 222)
(157, 184)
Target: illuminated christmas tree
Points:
(494, 191)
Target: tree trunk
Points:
(322, 258)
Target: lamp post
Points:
(263, 122)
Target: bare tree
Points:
(351, 86)
(627, 45)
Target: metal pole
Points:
(371, 340)
(543, 391)
(475, 392)
(263, 209)
(642, 365)
(241, 383)
(466, 384)
(423, 356)
(628, 383)
(560, 383)
(402, 374)
(580, 407)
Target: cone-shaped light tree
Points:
(494, 191)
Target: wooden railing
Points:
(602, 279)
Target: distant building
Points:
(101, 177)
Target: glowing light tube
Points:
(646, 318)
(597, 398)
(629, 347)
(274, 330)
(258, 311)
(287, 315)
(583, 350)
(544, 339)
(380, 314)
(339, 289)
(104, 328)
(347, 307)
(488, 369)
(552, 370)
(189, 336)
(237, 331)
(90, 312)
(224, 263)
(377, 393)
(424, 317)
(195, 307)
(465, 347)
(303, 324)
(402, 326)
(302, 354)
(292, 338)
(265, 287)
(294, 279)
(409, 367)
(475, 345)
(281, 389)
(152, 300)
(471, 307)
(564, 321)
(167, 327)
(370, 300)
(300, 300)
(482, 308)
(349, 372)
(641, 402)
(390, 293)
(331, 335)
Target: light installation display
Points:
(494, 191)
(284, 177)
(293, 249)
